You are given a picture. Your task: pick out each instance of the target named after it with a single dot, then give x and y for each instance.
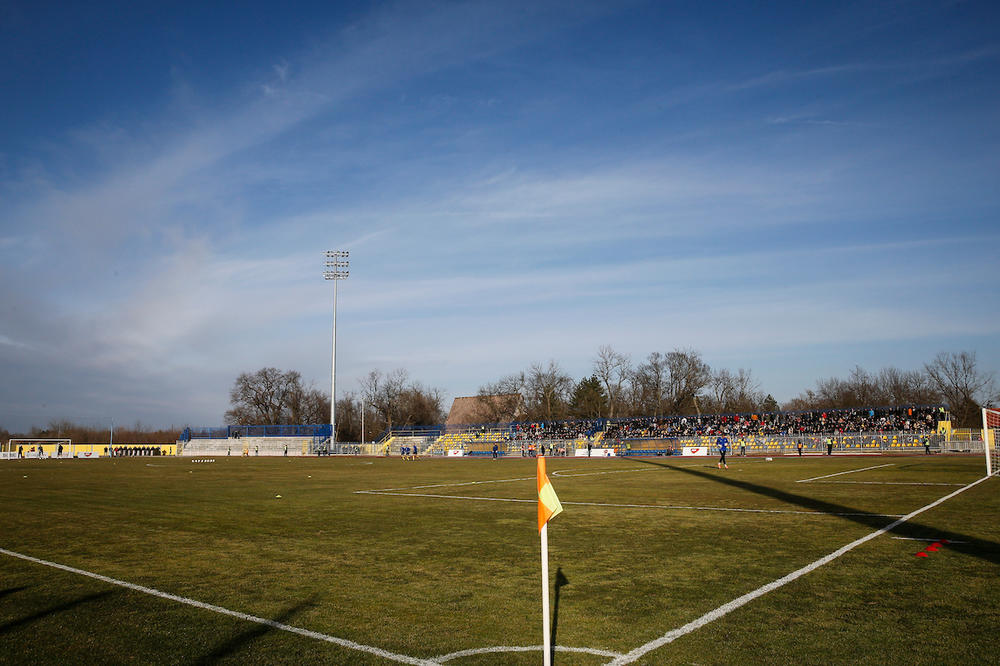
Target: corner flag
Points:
(548, 506)
(548, 503)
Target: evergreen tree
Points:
(589, 399)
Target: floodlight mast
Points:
(337, 262)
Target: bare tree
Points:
(90, 434)
(548, 390)
(383, 392)
(396, 401)
(613, 370)
(265, 397)
(735, 392)
(834, 393)
(419, 406)
(309, 405)
(649, 385)
(688, 376)
(348, 418)
(888, 387)
(902, 387)
(802, 402)
(962, 385)
(863, 388)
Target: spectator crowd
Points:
(833, 421)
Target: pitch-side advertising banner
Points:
(595, 453)
(696, 451)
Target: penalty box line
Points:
(627, 506)
(342, 642)
(727, 608)
(850, 471)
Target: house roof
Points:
(476, 409)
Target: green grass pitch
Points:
(441, 562)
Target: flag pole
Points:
(548, 506)
(546, 636)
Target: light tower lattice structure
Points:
(337, 263)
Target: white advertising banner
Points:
(595, 453)
(697, 451)
(455, 453)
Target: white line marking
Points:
(563, 473)
(850, 471)
(761, 591)
(919, 539)
(305, 632)
(448, 485)
(630, 506)
(479, 483)
(894, 483)
(402, 658)
(519, 648)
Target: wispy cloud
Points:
(495, 216)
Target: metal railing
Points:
(237, 431)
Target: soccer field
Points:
(379, 561)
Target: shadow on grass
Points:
(561, 581)
(12, 590)
(14, 624)
(237, 642)
(981, 548)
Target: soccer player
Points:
(723, 443)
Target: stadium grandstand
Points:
(916, 428)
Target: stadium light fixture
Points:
(337, 263)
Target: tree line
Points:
(270, 396)
(677, 382)
(82, 434)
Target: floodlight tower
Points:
(337, 262)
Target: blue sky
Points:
(794, 189)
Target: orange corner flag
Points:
(548, 503)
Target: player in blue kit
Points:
(723, 444)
